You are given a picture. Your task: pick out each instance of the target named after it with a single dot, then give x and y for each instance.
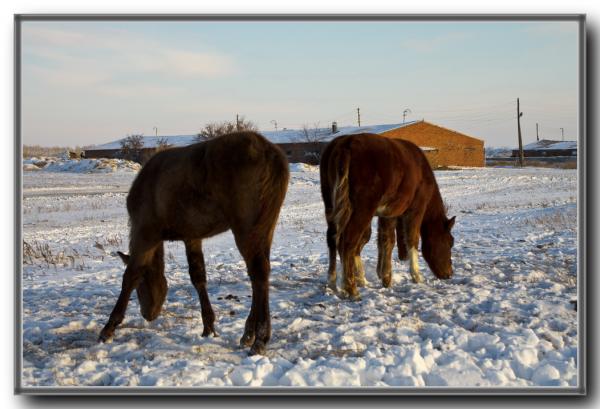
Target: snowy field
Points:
(504, 319)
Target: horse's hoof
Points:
(362, 283)
(355, 297)
(258, 348)
(209, 331)
(343, 294)
(332, 286)
(386, 282)
(105, 336)
(417, 279)
(247, 340)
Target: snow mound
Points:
(80, 165)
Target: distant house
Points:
(442, 147)
(548, 148)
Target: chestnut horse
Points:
(236, 181)
(368, 175)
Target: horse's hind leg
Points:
(137, 267)
(349, 247)
(254, 243)
(257, 331)
(195, 257)
(331, 273)
(401, 239)
(361, 280)
(413, 222)
(385, 245)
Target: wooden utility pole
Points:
(358, 112)
(562, 132)
(237, 122)
(537, 133)
(519, 115)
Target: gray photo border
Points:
(582, 279)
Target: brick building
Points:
(442, 146)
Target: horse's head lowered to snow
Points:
(436, 243)
(152, 290)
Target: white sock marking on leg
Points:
(413, 256)
(360, 272)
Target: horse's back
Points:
(373, 152)
(200, 186)
(380, 170)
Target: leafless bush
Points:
(36, 251)
(314, 133)
(132, 146)
(162, 144)
(215, 129)
(114, 240)
(554, 220)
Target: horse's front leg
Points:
(385, 244)
(197, 269)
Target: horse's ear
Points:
(450, 223)
(124, 257)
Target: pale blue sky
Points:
(94, 82)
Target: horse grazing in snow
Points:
(236, 181)
(366, 175)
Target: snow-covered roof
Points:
(546, 144)
(150, 142)
(280, 136)
(297, 135)
(376, 129)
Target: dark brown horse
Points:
(368, 175)
(236, 181)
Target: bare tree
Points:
(132, 146)
(314, 134)
(215, 129)
(313, 139)
(162, 143)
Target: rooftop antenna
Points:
(274, 122)
(406, 111)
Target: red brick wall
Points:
(453, 148)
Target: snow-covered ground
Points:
(505, 318)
